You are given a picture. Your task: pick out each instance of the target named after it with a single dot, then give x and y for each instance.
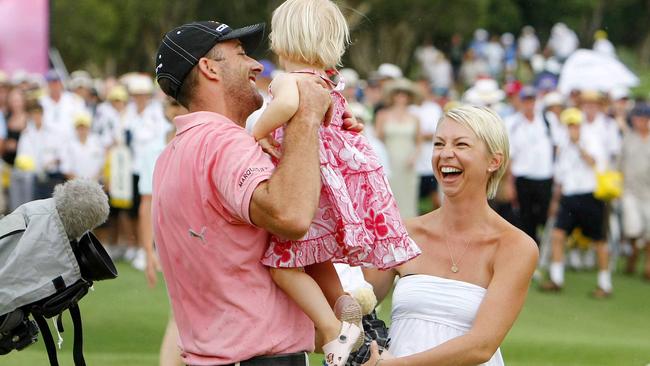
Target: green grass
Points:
(124, 322)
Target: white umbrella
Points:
(589, 70)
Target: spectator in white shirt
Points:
(84, 157)
(528, 43)
(60, 106)
(429, 113)
(37, 156)
(495, 56)
(598, 126)
(563, 42)
(110, 123)
(575, 174)
(531, 164)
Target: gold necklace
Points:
(454, 264)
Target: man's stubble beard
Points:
(243, 95)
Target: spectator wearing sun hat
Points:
(575, 174)
(84, 156)
(598, 126)
(110, 122)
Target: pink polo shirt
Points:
(227, 308)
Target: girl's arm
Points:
(514, 265)
(283, 106)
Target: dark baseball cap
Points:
(641, 110)
(182, 47)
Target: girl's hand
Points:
(270, 146)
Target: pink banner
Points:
(24, 35)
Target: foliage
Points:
(113, 37)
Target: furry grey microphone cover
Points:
(82, 206)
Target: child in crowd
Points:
(577, 162)
(85, 155)
(357, 221)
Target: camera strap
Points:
(55, 305)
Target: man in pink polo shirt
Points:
(217, 195)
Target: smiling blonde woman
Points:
(454, 304)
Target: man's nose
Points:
(257, 67)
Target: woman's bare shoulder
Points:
(514, 242)
(421, 225)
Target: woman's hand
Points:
(376, 358)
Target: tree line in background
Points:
(113, 37)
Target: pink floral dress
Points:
(357, 221)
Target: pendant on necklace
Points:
(454, 268)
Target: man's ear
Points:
(209, 69)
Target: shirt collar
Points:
(190, 120)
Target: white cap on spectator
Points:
(484, 92)
(19, 76)
(619, 93)
(140, 84)
(37, 80)
(481, 34)
(80, 79)
(389, 71)
(507, 38)
(350, 77)
(553, 99)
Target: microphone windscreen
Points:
(82, 205)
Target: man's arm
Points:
(286, 203)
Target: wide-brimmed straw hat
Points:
(401, 85)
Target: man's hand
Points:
(150, 271)
(350, 123)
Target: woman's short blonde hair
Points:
(490, 129)
(309, 31)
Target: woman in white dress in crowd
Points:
(455, 303)
(399, 130)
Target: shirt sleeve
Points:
(237, 165)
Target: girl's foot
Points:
(347, 309)
(338, 350)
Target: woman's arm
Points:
(513, 268)
(381, 281)
(283, 106)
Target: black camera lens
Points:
(94, 262)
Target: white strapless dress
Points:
(430, 310)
